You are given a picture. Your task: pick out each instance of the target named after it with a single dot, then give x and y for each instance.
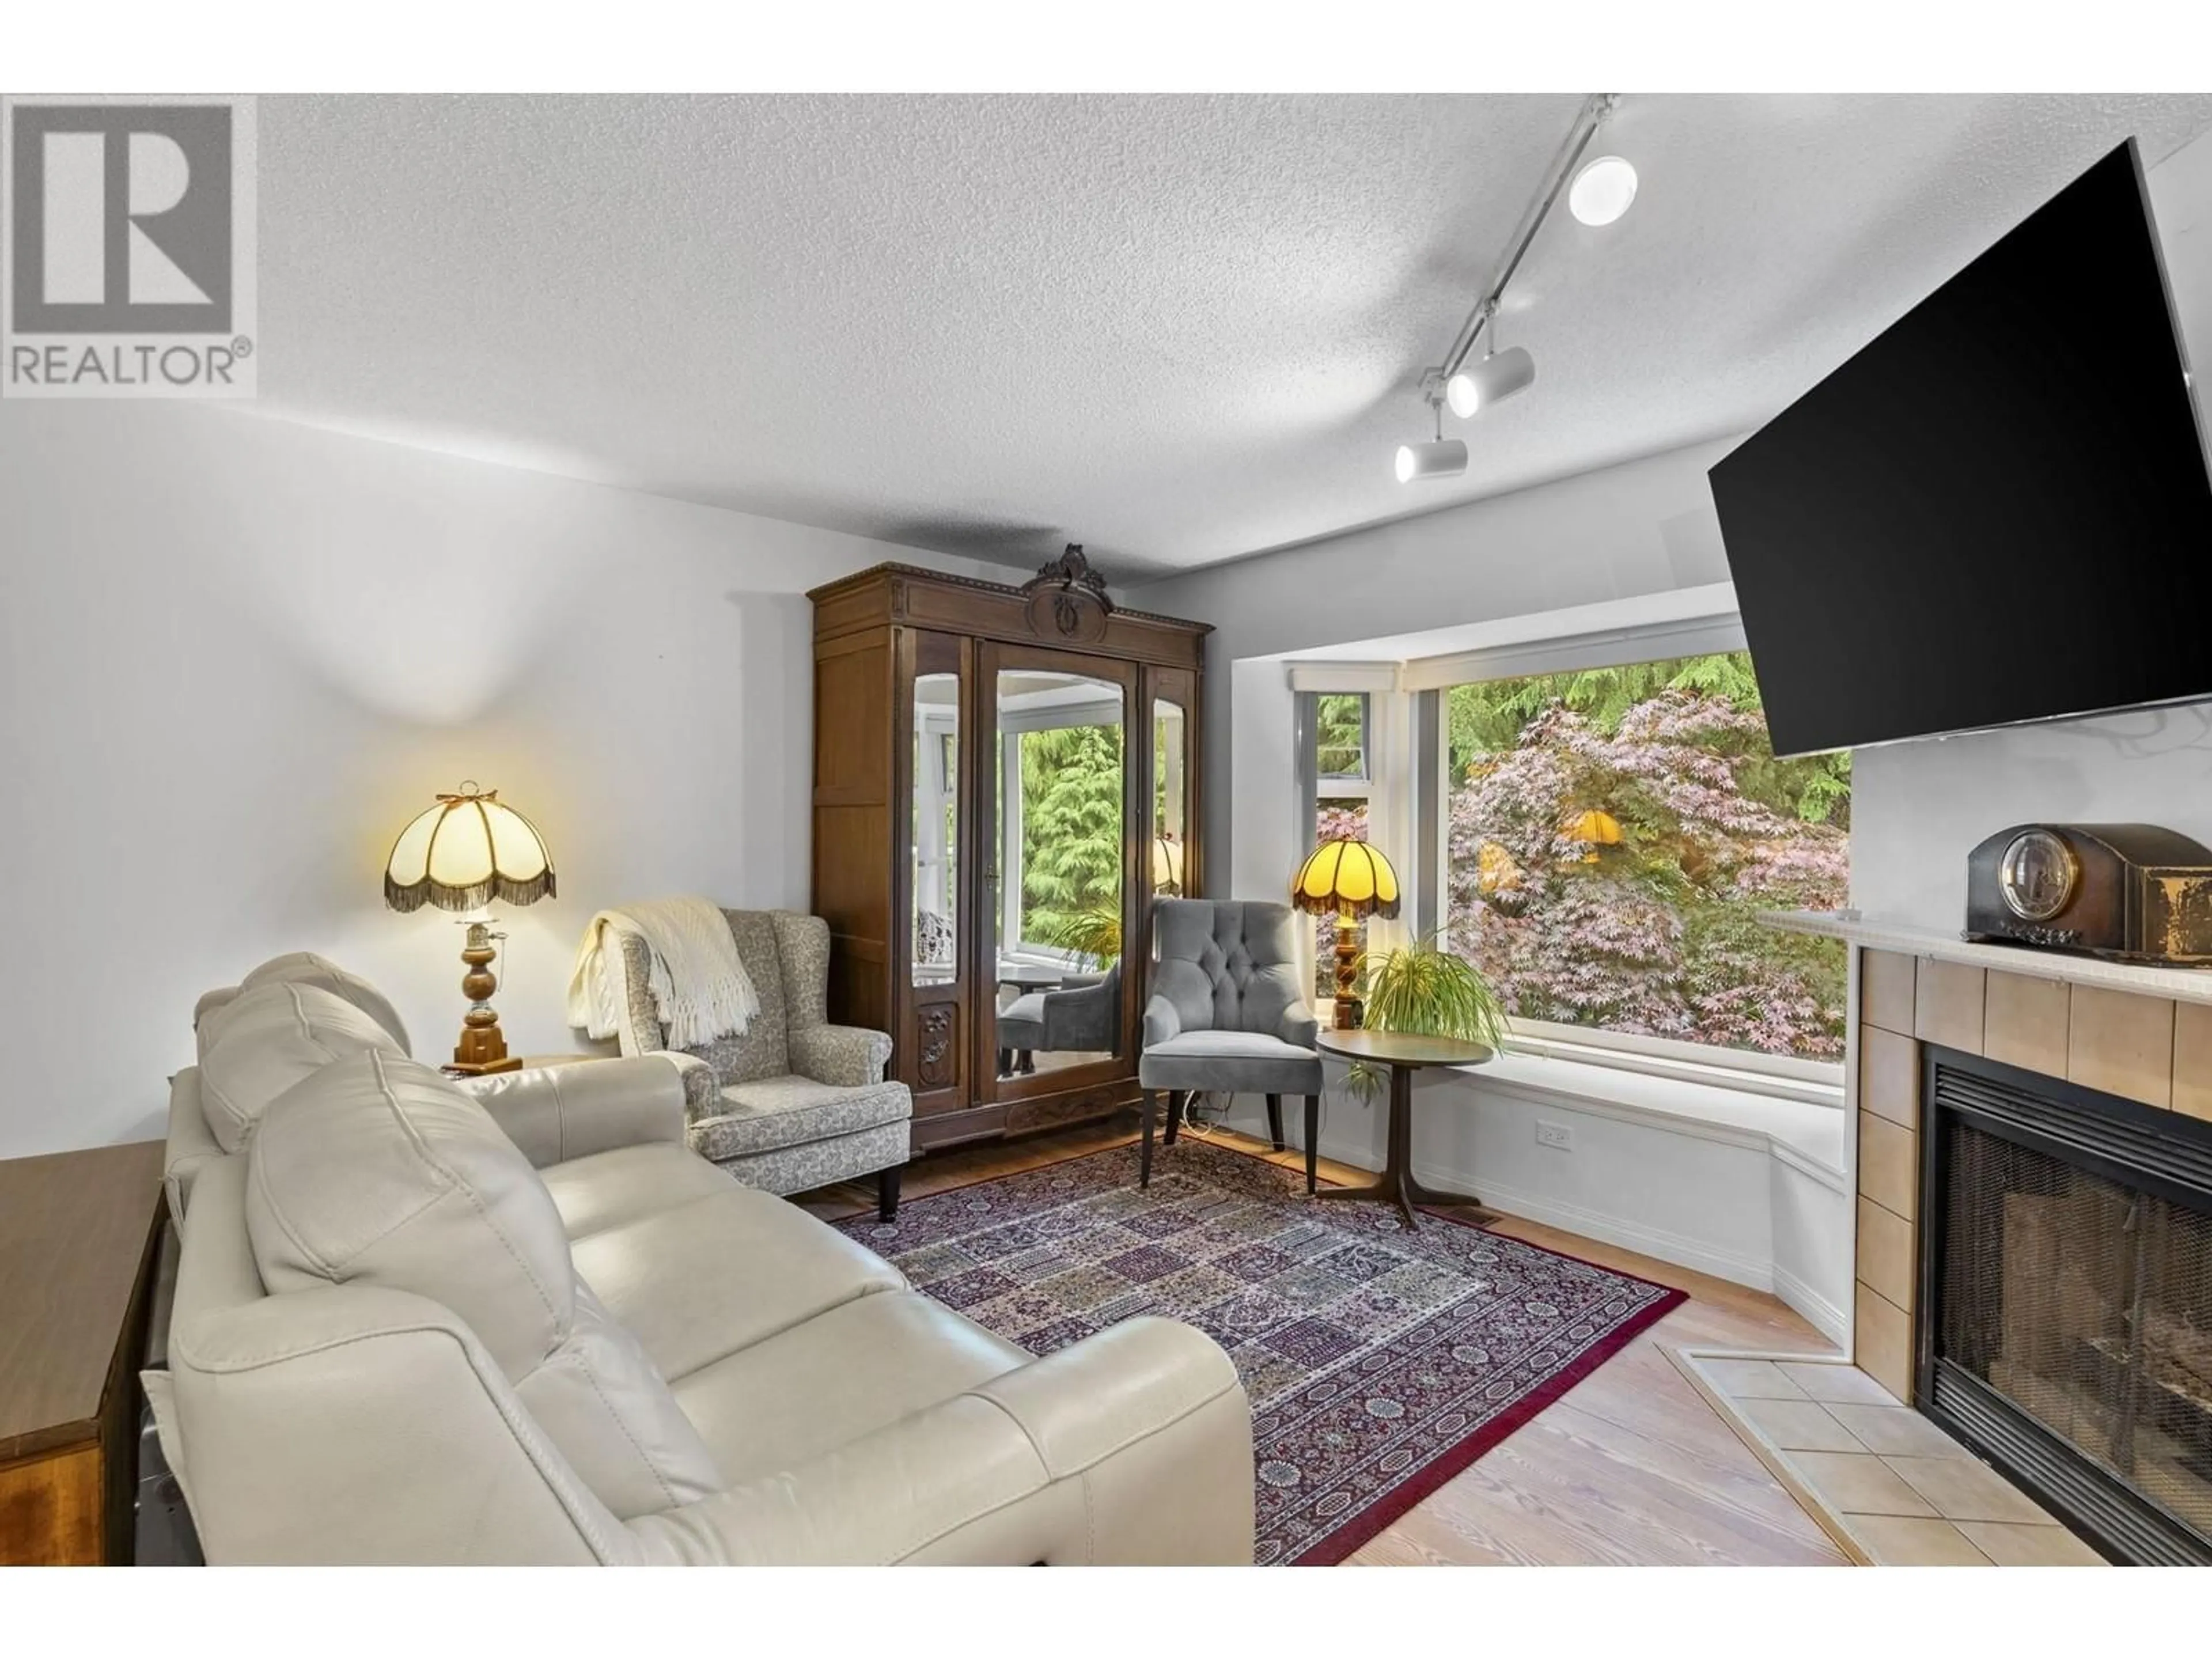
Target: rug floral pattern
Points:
(1380, 1361)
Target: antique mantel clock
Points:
(2133, 893)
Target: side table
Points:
(1403, 1054)
(79, 1234)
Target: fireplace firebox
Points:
(2066, 1299)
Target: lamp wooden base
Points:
(1349, 1011)
(483, 1047)
(484, 1067)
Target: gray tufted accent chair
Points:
(1083, 1016)
(1227, 1015)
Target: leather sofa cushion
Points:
(305, 968)
(379, 1171)
(845, 1374)
(269, 1039)
(607, 1189)
(726, 1271)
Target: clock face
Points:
(2037, 875)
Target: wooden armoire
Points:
(1005, 777)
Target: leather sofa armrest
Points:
(1300, 1027)
(844, 1056)
(556, 1112)
(1141, 1433)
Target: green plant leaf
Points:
(1423, 991)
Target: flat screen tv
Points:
(1996, 512)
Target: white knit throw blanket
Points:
(700, 990)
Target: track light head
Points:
(1492, 379)
(1446, 458)
(1602, 190)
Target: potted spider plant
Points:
(1424, 990)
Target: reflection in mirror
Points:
(936, 838)
(1170, 801)
(1058, 870)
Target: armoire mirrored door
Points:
(1060, 893)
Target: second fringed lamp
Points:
(1350, 880)
(468, 849)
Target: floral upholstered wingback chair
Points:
(793, 1103)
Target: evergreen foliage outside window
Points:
(1071, 838)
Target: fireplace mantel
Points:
(1876, 933)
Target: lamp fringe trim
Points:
(474, 895)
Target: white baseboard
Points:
(1816, 1309)
(1693, 1254)
(1682, 1252)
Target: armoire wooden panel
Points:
(947, 710)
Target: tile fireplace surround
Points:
(2141, 1034)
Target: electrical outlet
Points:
(1555, 1135)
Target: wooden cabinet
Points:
(1005, 777)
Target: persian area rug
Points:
(1380, 1361)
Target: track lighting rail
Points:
(1595, 110)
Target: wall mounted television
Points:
(1998, 511)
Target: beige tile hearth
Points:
(1801, 1425)
(1857, 1483)
(1835, 1383)
(1895, 1431)
(2011, 1545)
(1904, 1541)
(1753, 1379)
(1885, 1482)
(1964, 1490)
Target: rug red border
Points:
(1378, 1518)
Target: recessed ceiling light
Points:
(1602, 190)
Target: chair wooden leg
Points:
(1151, 1109)
(1313, 1142)
(887, 1191)
(1275, 1122)
(1177, 1098)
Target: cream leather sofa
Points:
(520, 1321)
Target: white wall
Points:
(240, 654)
(1644, 528)
(1917, 809)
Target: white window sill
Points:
(1682, 1063)
(1720, 1105)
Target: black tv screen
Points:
(1998, 511)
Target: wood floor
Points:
(1633, 1468)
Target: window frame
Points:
(1422, 684)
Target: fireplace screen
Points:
(2087, 1303)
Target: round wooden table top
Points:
(1401, 1049)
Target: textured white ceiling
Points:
(1175, 330)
